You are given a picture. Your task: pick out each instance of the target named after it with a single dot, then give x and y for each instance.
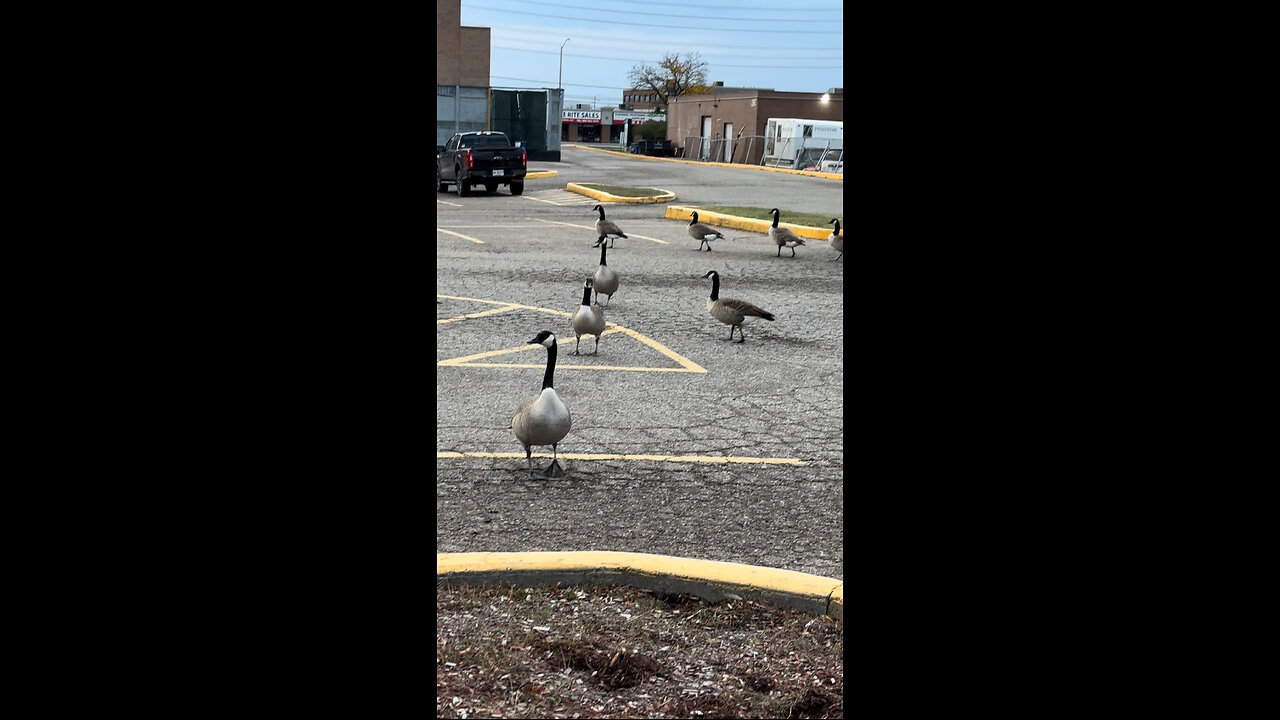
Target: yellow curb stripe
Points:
(709, 571)
(607, 456)
(494, 311)
(443, 202)
(541, 174)
(676, 212)
(766, 168)
(592, 228)
(602, 195)
(686, 365)
(464, 237)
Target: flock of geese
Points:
(543, 419)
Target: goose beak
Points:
(531, 341)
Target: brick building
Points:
(462, 73)
(737, 113)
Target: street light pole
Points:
(558, 83)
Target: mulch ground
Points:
(621, 652)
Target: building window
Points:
(808, 131)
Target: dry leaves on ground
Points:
(622, 652)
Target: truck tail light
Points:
(471, 163)
(524, 158)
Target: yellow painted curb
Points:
(667, 196)
(676, 212)
(541, 174)
(814, 590)
(789, 171)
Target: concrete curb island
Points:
(711, 580)
(789, 171)
(676, 212)
(666, 195)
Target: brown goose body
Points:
(605, 281)
(836, 239)
(587, 320)
(543, 419)
(783, 237)
(703, 232)
(607, 229)
(732, 311)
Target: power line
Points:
(632, 12)
(709, 62)
(548, 83)
(665, 27)
(700, 6)
(648, 45)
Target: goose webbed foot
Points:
(553, 470)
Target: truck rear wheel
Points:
(517, 188)
(440, 186)
(463, 188)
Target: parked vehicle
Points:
(480, 158)
(797, 143)
(656, 148)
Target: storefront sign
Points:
(582, 116)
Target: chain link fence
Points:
(765, 151)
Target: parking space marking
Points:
(592, 228)
(686, 365)
(654, 458)
(443, 202)
(494, 311)
(464, 237)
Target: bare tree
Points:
(672, 77)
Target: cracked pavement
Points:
(779, 395)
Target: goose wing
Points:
(607, 227)
(746, 308)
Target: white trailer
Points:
(799, 143)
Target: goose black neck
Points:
(693, 219)
(837, 227)
(775, 219)
(586, 295)
(601, 211)
(551, 368)
(715, 287)
(602, 262)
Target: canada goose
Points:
(542, 419)
(837, 240)
(587, 320)
(731, 311)
(703, 232)
(607, 229)
(783, 237)
(606, 280)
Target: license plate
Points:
(499, 173)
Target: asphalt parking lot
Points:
(756, 429)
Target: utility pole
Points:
(559, 79)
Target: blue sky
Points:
(746, 44)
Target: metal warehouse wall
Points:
(532, 116)
(460, 109)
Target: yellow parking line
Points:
(686, 365)
(464, 237)
(654, 458)
(592, 228)
(494, 311)
(443, 202)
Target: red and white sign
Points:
(582, 116)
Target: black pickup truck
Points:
(480, 158)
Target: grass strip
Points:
(622, 191)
